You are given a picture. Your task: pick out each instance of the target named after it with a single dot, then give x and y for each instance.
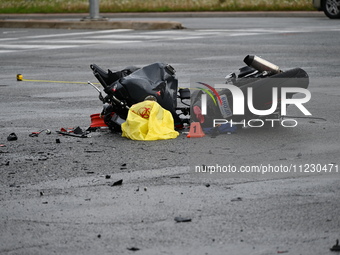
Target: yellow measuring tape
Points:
(21, 78)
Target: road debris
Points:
(236, 199)
(182, 219)
(336, 247)
(12, 137)
(36, 134)
(117, 183)
(76, 132)
(133, 249)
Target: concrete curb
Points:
(88, 24)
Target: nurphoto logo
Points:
(251, 106)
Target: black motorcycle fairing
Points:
(156, 80)
(110, 77)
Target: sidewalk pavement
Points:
(111, 20)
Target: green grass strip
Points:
(112, 6)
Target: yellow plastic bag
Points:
(147, 120)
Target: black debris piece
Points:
(12, 137)
(73, 134)
(133, 249)
(78, 131)
(93, 151)
(207, 185)
(117, 183)
(236, 199)
(182, 219)
(336, 247)
(107, 176)
(57, 140)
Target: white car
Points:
(330, 7)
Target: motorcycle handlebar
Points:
(100, 79)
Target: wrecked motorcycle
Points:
(132, 85)
(259, 80)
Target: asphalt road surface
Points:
(59, 198)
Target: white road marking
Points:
(128, 36)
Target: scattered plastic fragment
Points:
(282, 252)
(77, 132)
(107, 176)
(35, 134)
(12, 137)
(97, 121)
(117, 183)
(336, 247)
(133, 249)
(93, 151)
(236, 199)
(57, 140)
(182, 219)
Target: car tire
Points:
(331, 8)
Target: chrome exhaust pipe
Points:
(261, 64)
